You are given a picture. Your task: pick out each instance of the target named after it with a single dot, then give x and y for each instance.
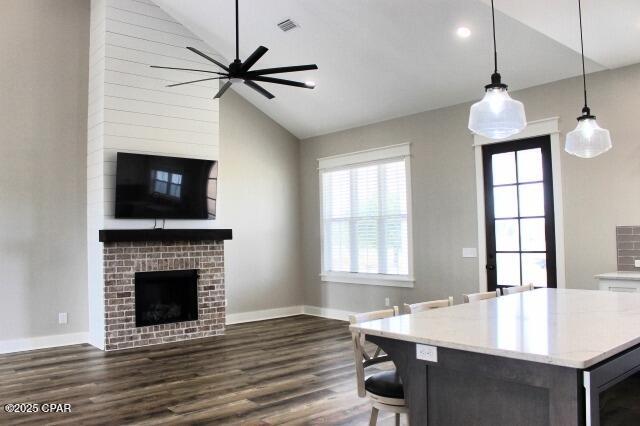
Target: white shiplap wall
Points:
(141, 114)
(95, 175)
(132, 110)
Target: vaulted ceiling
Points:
(381, 59)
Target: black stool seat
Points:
(387, 384)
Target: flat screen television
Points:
(156, 187)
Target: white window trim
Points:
(368, 279)
(375, 155)
(546, 127)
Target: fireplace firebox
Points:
(164, 297)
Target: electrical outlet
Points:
(427, 352)
(637, 263)
(62, 318)
(387, 302)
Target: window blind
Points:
(364, 218)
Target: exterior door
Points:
(519, 215)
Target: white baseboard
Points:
(264, 314)
(31, 343)
(28, 344)
(288, 311)
(337, 314)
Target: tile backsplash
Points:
(628, 247)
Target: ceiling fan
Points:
(240, 72)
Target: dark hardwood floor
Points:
(296, 370)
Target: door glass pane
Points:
(534, 269)
(508, 268)
(507, 235)
(530, 165)
(531, 200)
(503, 167)
(533, 234)
(505, 201)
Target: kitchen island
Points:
(533, 358)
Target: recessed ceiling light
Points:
(310, 83)
(463, 32)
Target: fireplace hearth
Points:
(171, 311)
(165, 297)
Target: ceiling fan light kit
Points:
(588, 140)
(497, 115)
(241, 72)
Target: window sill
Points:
(369, 279)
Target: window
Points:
(366, 224)
(166, 183)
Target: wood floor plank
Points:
(295, 370)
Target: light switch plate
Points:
(637, 263)
(469, 252)
(62, 318)
(427, 352)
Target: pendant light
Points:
(588, 140)
(496, 116)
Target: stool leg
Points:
(397, 419)
(374, 416)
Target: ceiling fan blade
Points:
(253, 58)
(294, 68)
(209, 58)
(259, 89)
(186, 69)
(222, 90)
(280, 81)
(194, 81)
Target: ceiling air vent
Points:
(287, 25)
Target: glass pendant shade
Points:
(497, 115)
(588, 140)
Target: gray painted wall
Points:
(269, 187)
(598, 194)
(259, 188)
(44, 51)
(45, 44)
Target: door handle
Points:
(490, 267)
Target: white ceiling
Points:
(611, 27)
(380, 59)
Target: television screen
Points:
(155, 187)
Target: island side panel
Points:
(472, 388)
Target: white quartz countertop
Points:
(620, 275)
(571, 328)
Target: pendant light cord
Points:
(237, 34)
(495, 50)
(584, 74)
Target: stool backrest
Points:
(517, 289)
(362, 357)
(425, 306)
(474, 297)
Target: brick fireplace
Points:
(163, 252)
